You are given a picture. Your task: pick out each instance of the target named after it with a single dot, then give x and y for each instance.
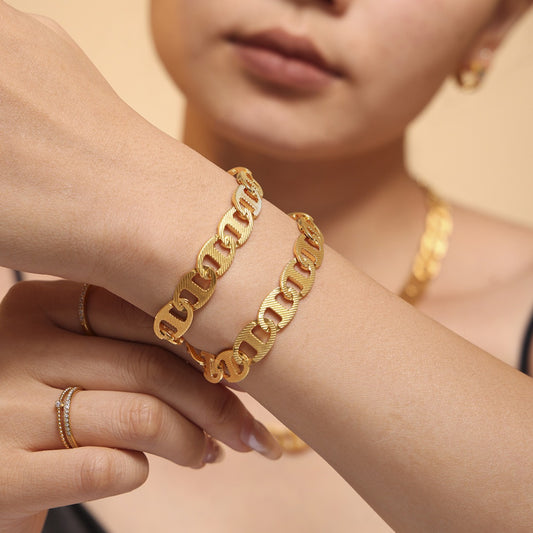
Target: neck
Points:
(367, 195)
(350, 180)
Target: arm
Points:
(428, 428)
(134, 398)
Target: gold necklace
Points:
(426, 267)
(432, 248)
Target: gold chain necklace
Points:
(426, 267)
(432, 248)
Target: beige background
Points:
(476, 148)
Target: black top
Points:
(526, 347)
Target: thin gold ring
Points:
(63, 417)
(82, 310)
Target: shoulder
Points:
(485, 290)
(488, 251)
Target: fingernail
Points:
(213, 451)
(261, 440)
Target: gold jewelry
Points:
(289, 441)
(426, 266)
(432, 249)
(82, 310)
(470, 77)
(296, 281)
(196, 287)
(63, 416)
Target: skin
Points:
(354, 133)
(359, 112)
(405, 452)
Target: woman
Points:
(399, 406)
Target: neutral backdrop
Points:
(476, 148)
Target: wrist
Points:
(170, 207)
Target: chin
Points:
(307, 142)
(288, 126)
(281, 136)
(284, 147)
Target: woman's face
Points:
(319, 78)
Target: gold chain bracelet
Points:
(275, 313)
(196, 287)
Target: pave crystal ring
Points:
(82, 310)
(63, 417)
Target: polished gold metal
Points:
(470, 77)
(289, 441)
(432, 249)
(174, 319)
(64, 418)
(426, 266)
(277, 310)
(293, 273)
(219, 366)
(82, 310)
(239, 225)
(59, 414)
(189, 284)
(273, 304)
(243, 176)
(215, 250)
(260, 346)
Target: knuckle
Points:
(146, 366)
(19, 294)
(96, 473)
(223, 408)
(142, 419)
(131, 316)
(190, 451)
(22, 301)
(192, 457)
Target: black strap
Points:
(18, 275)
(526, 347)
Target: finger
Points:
(54, 478)
(108, 315)
(121, 420)
(137, 368)
(102, 364)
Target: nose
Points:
(339, 6)
(335, 6)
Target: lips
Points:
(285, 59)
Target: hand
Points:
(68, 145)
(136, 398)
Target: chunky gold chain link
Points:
(275, 312)
(432, 249)
(196, 287)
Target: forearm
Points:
(428, 428)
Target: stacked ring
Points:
(63, 417)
